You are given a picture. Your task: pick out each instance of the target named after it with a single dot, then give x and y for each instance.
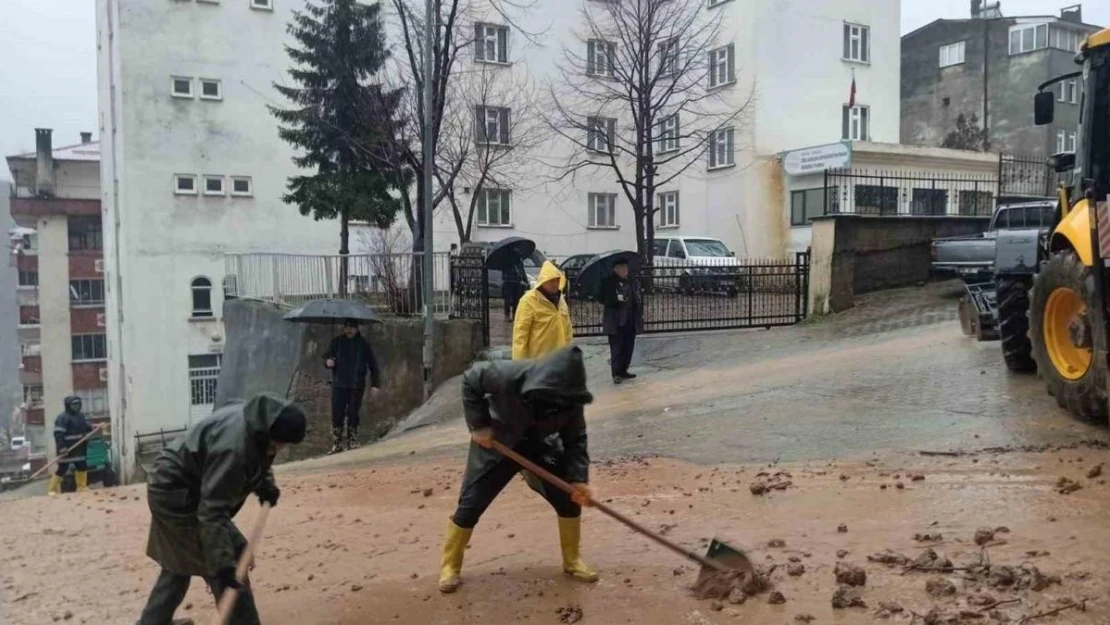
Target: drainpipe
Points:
(986, 82)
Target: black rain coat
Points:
(69, 427)
(354, 359)
(509, 396)
(202, 480)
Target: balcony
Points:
(32, 364)
(29, 316)
(25, 208)
(28, 296)
(36, 416)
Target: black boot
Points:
(352, 437)
(336, 440)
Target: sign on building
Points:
(817, 159)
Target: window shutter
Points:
(844, 122)
(865, 51)
(847, 41)
(504, 126)
(674, 221)
(480, 123)
(713, 140)
(503, 45)
(479, 48)
(591, 58)
(864, 127)
(731, 62)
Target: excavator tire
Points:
(1013, 324)
(1062, 293)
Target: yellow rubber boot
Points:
(454, 547)
(81, 479)
(55, 486)
(570, 535)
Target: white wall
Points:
(54, 330)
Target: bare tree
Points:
(646, 90)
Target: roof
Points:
(77, 152)
(1055, 19)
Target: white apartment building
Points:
(192, 166)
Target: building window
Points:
(241, 186)
(668, 209)
(668, 134)
(875, 200)
(211, 89)
(668, 57)
(809, 203)
(184, 184)
(214, 185)
(495, 208)
(202, 297)
(976, 203)
(491, 43)
(952, 54)
(492, 124)
(1071, 142)
(603, 212)
(94, 401)
(28, 278)
(1066, 40)
(262, 4)
(599, 58)
(855, 124)
(204, 373)
(599, 134)
(85, 233)
(722, 148)
(89, 347)
(181, 87)
(32, 395)
(1071, 90)
(86, 292)
(722, 66)
(857, 43)
(1028, 38)
(929, 202)
(1061, 141)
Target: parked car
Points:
(971, 257)
(571, 266)
(18, 442)
(696, 265)
(532, 266)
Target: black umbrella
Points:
(332, 311)
(594, 272)
(509, 251)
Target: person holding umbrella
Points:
(621, 319)
(542, 323)
(350, 359)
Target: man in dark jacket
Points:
(350, 359)
(198, 484)
(621, 320)
(514, 282)
(69, 427)
(536, 408)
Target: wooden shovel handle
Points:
(227, 600)
(95, 431)
(554, 480)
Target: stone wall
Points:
(266, 353)
(857, 254)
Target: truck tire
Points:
(1062, 292)
(1013, 324)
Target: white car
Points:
(697, 265)
(18, 442)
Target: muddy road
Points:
(840, 410)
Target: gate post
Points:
(485, 303)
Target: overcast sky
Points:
(48, 61)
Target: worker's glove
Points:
(268, 492)
(483, 437)
(583, 495)
(226, 577)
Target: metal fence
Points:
(732, 293)
(900, 193)
(1027, 176)
(391, 283)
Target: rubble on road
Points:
(569, 613)
(1066, 486)
(766, 482)
(723, 585)
(889, 558)
(850, 574)
(983, 535)
(847, 597)
(940, 587)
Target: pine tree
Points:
(967, 135)
(345, 126)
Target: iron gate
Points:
(470, 289)
(751, 293)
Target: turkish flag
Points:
(852, 93)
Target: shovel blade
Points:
(728, 557)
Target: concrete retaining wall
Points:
(266, 353)
(857, 254)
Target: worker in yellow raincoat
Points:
(542, 322)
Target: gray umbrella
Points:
(332, 311)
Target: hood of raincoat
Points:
(262, 411)
(72, 404)
(559, 378)
(550, 272)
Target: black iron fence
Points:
(726, 293)
(469, 287)
(1020, 176)
(900, 193)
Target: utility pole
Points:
(431, 20)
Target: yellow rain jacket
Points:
(540, 327)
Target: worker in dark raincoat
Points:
(535, 407)
(70, 427)
(198, 485)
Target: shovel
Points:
(721, 557)
(230, 595)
